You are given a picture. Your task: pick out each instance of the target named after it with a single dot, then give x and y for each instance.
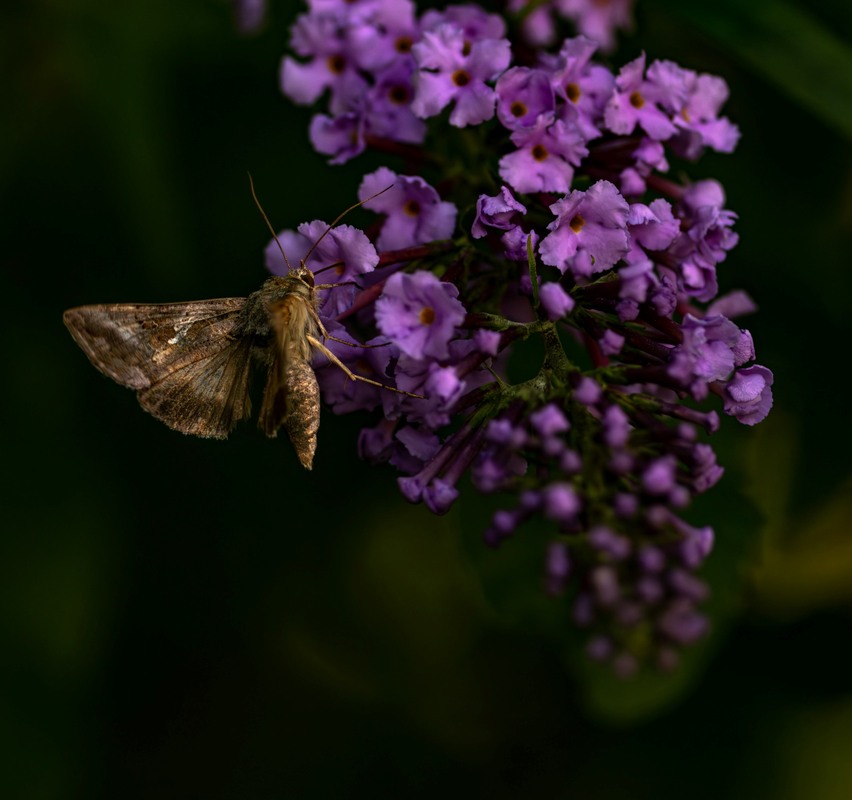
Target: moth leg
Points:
(335, 285)
(335, 360)
(355, 344)
(326, 335)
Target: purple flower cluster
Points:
(530, 200)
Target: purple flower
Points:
(682, 623)
(487, 342)
(705, 240)
(588, 391)
(649, 156)
(660, 475)
(699, 119)
(415, 211)
(380, 32)
(734, 304)
(611, 342)
(711, 348)
(546, 157)
(598, 20)
(616, 427)
(607, 541)
(748, 395)
(523, 95)
(419, 314)
(322, 38)
(589, 234)
(473, 21)
(637, 101)
(387, 105)
(515, 243)
(453, 70)
(549, 421)
(585, 87)
(496, 212)
(561, 502)
(558, 568)
(653, 226)
(555, 300)
(340, 137)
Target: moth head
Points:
(303, 274)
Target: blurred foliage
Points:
(183, 618)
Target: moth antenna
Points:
(340, 217)
(268, 224)
(330, 266)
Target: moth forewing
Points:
(183, 360)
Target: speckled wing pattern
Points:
(185, 362)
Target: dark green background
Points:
(184, 618)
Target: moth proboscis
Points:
(191, 363)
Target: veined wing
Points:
(184, 360)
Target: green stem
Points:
(533, 272)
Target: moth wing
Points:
(207, 397)
(273, 407)
(186, 361)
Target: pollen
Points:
(517, 109)
(577, 223)
(427, 315)
(572, 92)
(461, 77)
(412, 208)
(636, 100)
(539, 152)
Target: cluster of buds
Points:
(529, 201)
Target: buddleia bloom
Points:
(526, 196)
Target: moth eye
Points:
(308, 278)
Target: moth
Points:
(191, 363)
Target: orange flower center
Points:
(461, 77)
(398, 95)
(336, 64)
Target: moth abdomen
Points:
(302, 415)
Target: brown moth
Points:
(191, 363)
